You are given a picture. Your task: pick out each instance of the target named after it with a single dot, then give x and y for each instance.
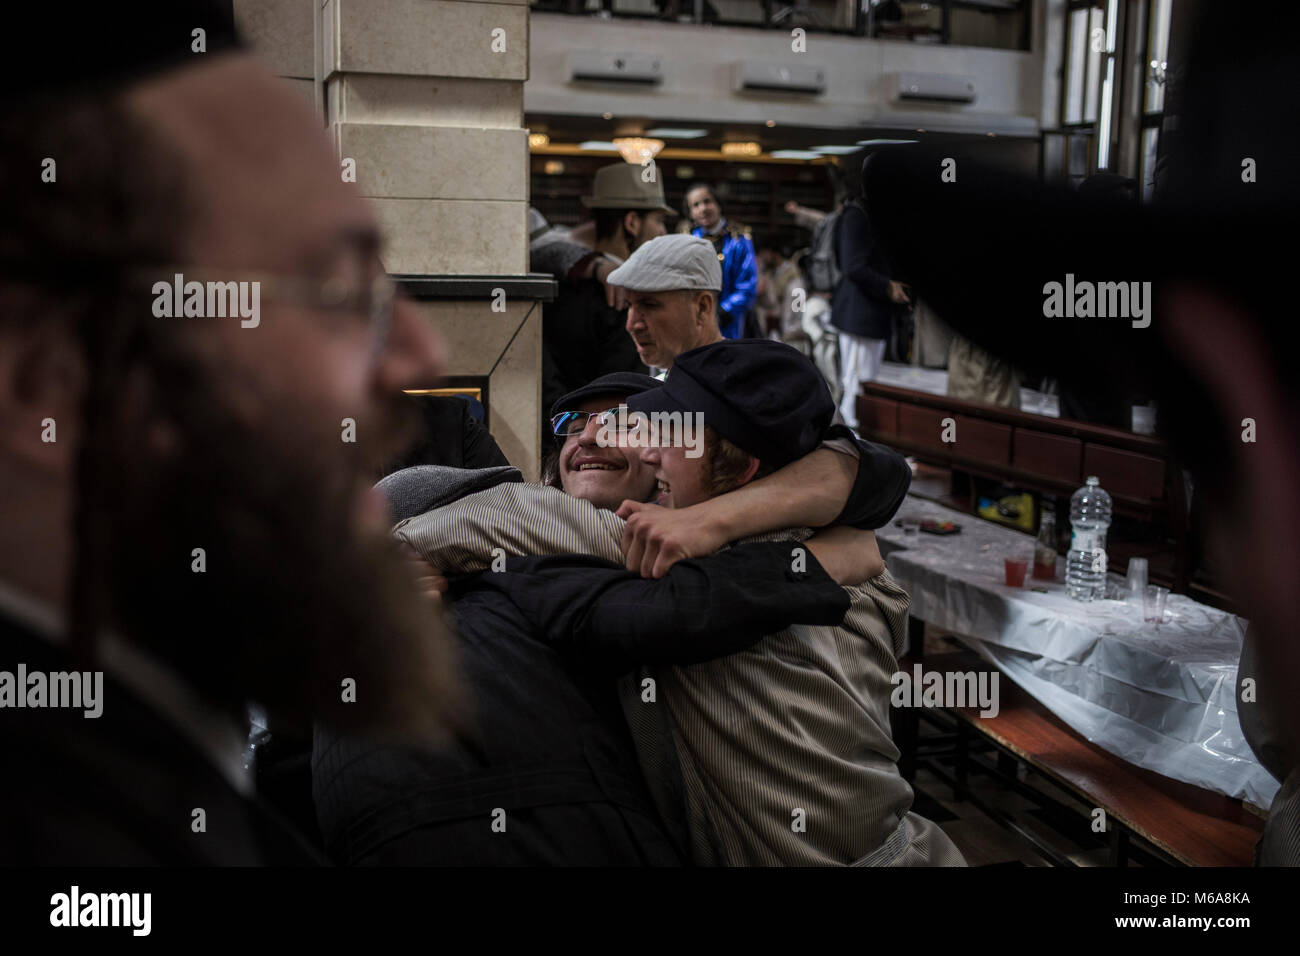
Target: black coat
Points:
(582, 339)
(541, 645)
(451, 436)
(880, 485)
(861, 305)
(118, 789)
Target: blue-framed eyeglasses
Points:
(575, 423)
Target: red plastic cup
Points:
(1017, 568)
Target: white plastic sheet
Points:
(1160, 697)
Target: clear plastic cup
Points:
(1153, 603)
(1137, 579)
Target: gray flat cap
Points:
(669, 263)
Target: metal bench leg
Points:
(907, 734)
(916, 638)
(1007, 764)
(1118, 847)
(962, 756)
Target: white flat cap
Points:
(678, 261)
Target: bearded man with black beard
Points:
(181, 511)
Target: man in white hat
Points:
(672, 287)
(582, 331)
(628, 208)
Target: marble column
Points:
(426, 96)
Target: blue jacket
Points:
(739, 278)
(861, 305)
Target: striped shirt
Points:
(783, 751)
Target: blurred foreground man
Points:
(184, 530)
(1212, 342)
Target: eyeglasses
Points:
(575, 423)
(375, 300)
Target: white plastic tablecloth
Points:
(1162, 697)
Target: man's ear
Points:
(42, 374)
(750, 470)
(632, 221)
(705, 307)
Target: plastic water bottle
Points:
(1085, 565)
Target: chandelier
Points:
(638, 149)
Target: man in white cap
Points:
(672, 287)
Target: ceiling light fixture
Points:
(673, 132)
(638, 149)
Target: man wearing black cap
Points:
(546, 753)
(183, 527)
(765, 404)
(728, 797)
(1215, 350)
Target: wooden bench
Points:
(1183, 824)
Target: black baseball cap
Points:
(762, 396)
(615, 383)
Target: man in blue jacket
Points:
(735, 252)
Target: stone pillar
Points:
(426, 96)
(281, 32)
